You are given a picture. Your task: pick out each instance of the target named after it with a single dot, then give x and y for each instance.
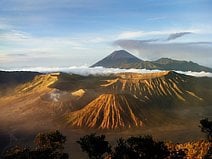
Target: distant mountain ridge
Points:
(125, 60)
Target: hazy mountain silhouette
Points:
(123, 59)
(118, 59)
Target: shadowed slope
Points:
(10, 80)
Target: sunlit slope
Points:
(31, 105)
(131, 100)
(113, 101)
(39, 83)
(109, 111)
(156, 88)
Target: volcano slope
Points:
(115, 101)
(165, 104)
(131, 100)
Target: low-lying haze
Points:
(85, 70)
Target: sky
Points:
(61, 33)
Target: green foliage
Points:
(206, 127)
(140, 148)
(48, 145)
(95, 146)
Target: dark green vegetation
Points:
(206, 127)
(131, 148)
(141, 147)
(48, 145)
(123, 59)
(95, 146)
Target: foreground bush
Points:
(95, 146)
(48, 145)
(141, 147)
(206, 127)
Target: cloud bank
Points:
(85, 70)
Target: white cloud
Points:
(85, 70)
(196, 74)
(141, 34)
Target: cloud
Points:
(169, 32)
(26, 5)
(17, 55)
(16, 42)
(177, 35)
(157, 18)
(132, 44)
(85, 70)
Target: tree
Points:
(142, 147)
(53, 140)
(95, 146)
(17, 152)
(49, 145)
(123, 151)
(206, 127)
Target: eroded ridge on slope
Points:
(39, 83)
(149, 86)
(109, 111)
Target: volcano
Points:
(115, 101)
(118, 59)
(109, 111)
(125, 60)
(129, 100)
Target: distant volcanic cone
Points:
(109, 111)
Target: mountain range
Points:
(123, 59)
(116, 101)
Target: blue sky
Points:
(80, 32)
